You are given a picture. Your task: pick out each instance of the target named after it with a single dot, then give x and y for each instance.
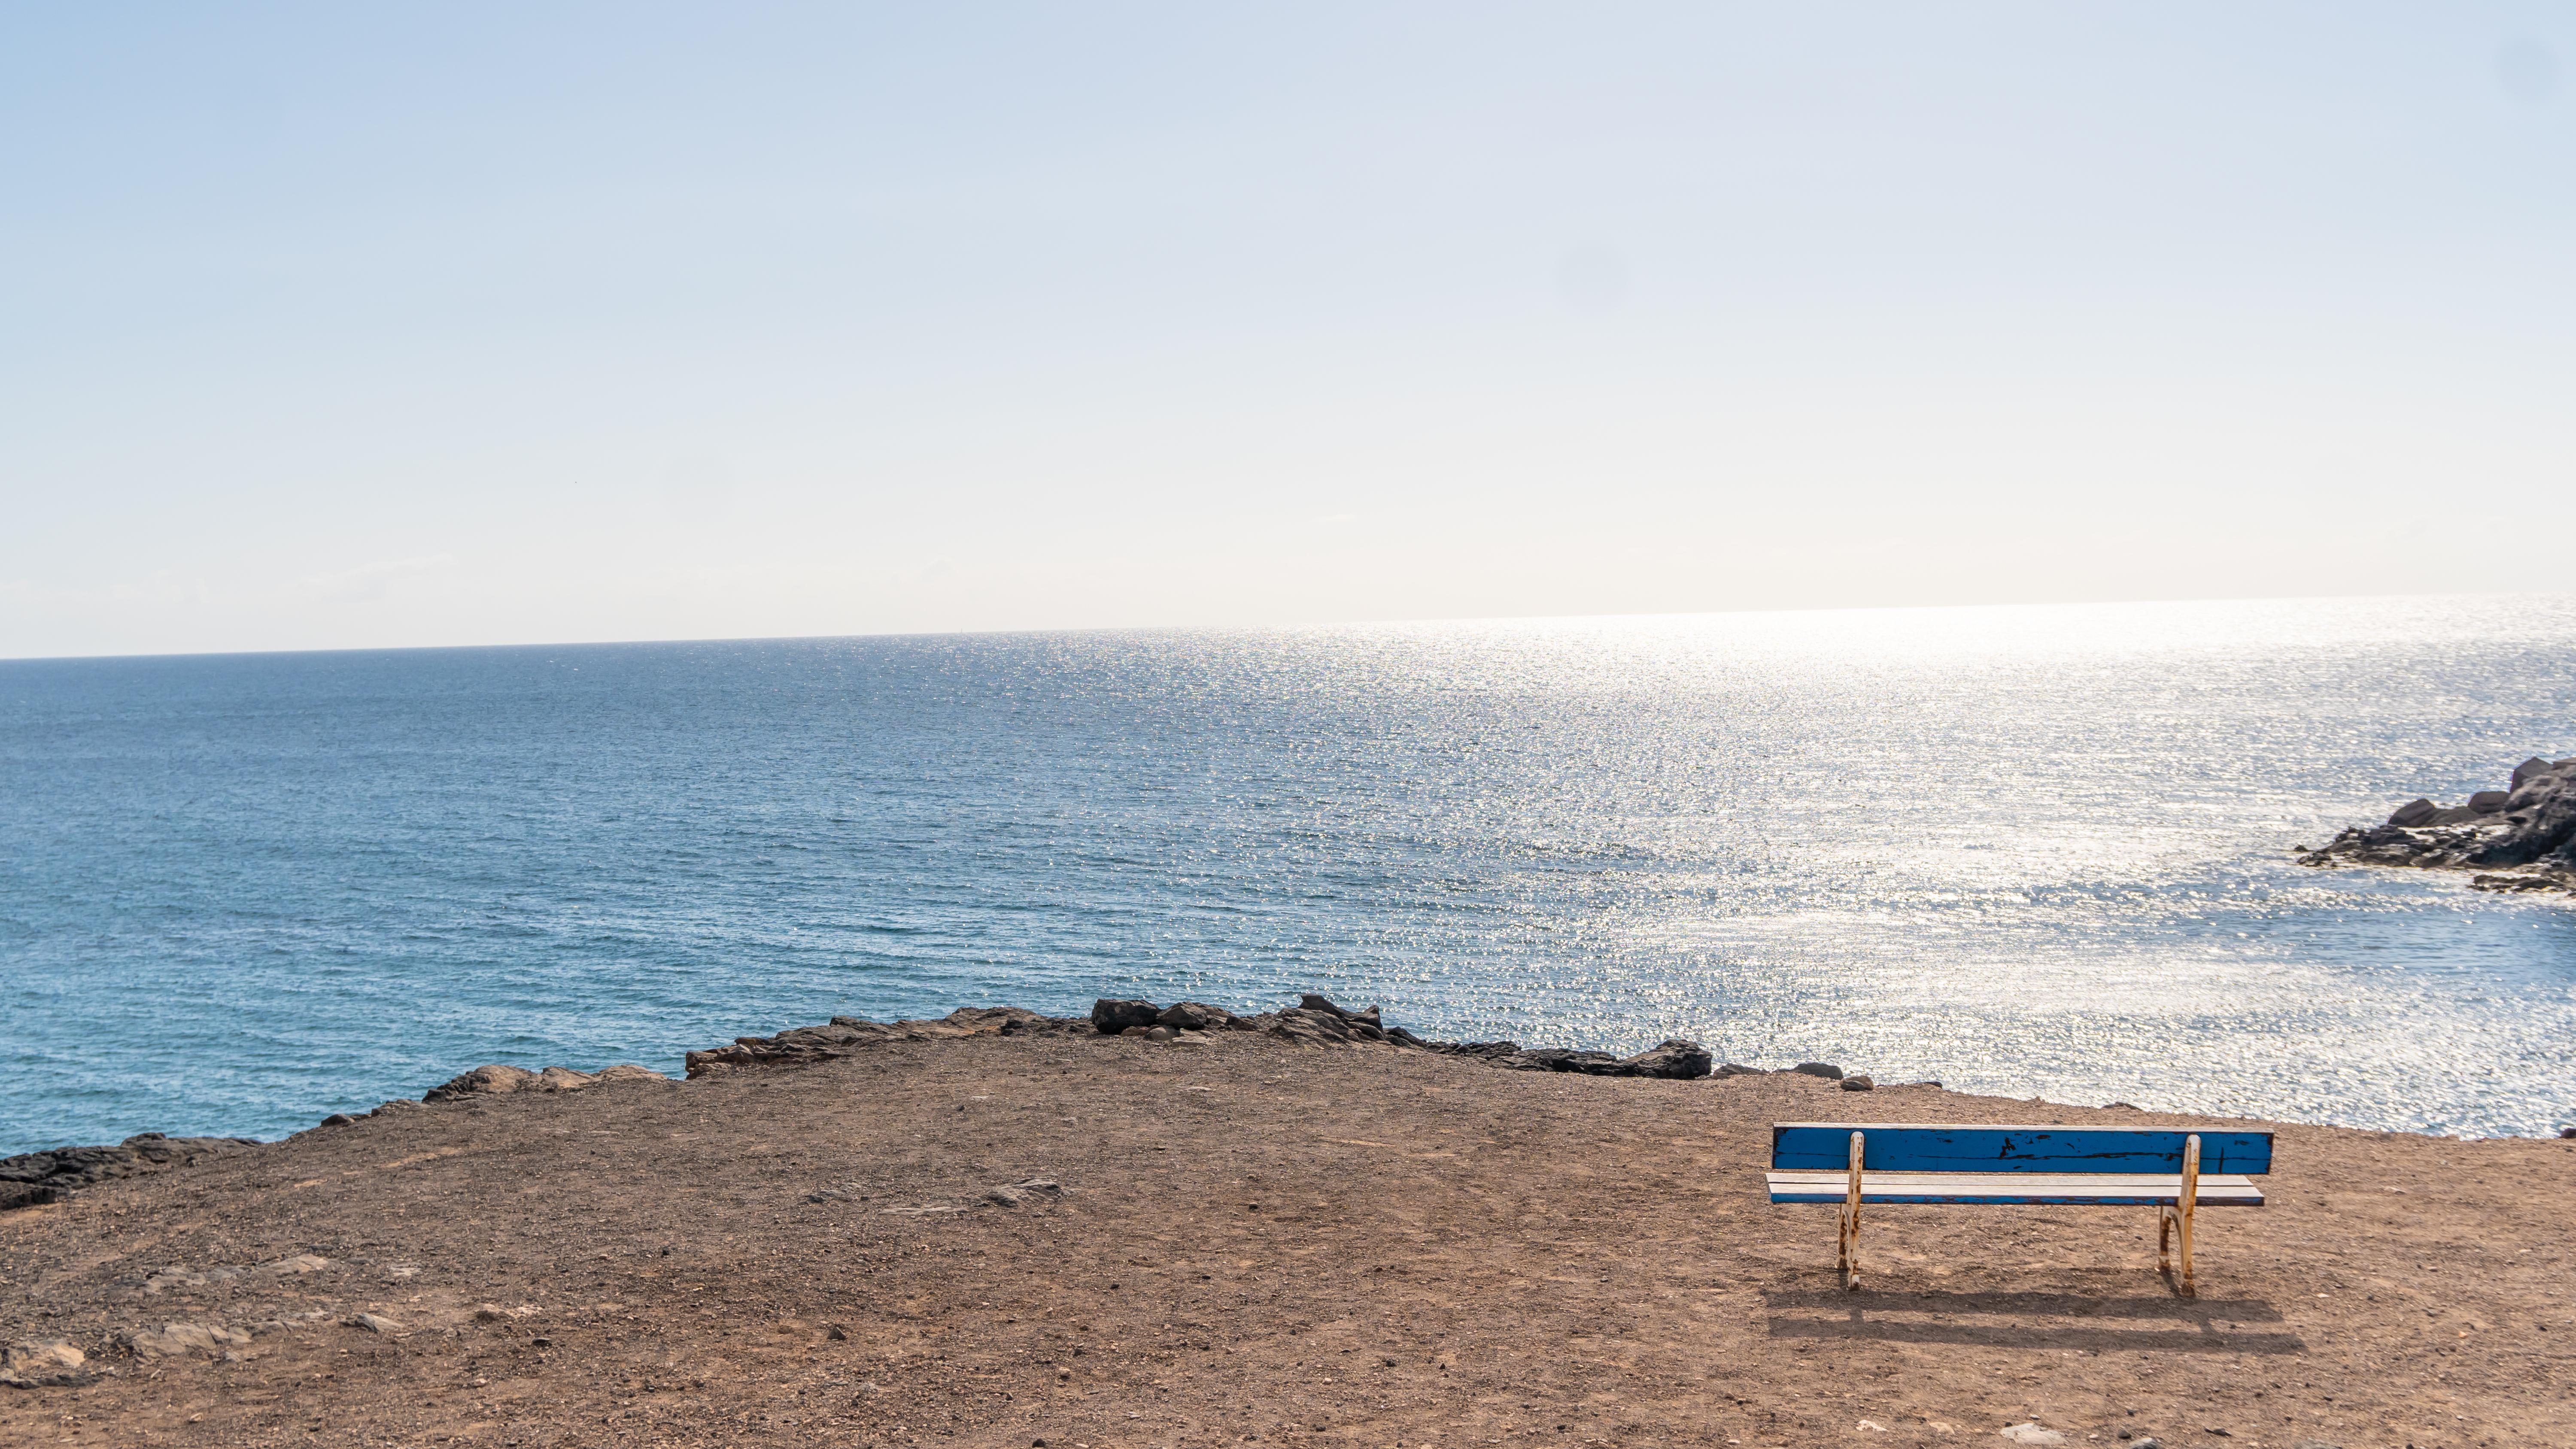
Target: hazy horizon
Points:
(2358, 602)
(339, 329)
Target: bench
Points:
(1977, 1166)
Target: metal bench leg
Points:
(1848, 1259)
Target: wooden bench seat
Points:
(2033, 1189)
(1974, 1165)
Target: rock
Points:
(1858, 1082)
(2150, 1442)
(2032, 1434)
(1113, 1017)
(337, 1119)
(172, 1340)
(1195, 1016)
(493, 1080)
(55, 1365)
(1312, 1026)
(564, 1079)
(629, 1072)
(1826, 1070)
(1311, 1002)
(27, 1194)
(33, 1178)
(848, 1035)
(371, 1323)
(1737, 1069)
(2529, 830)
(1673, 1060)
(1158, 1033)
(2565, 1132)
(1021, 1194)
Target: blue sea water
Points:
(2035, 851)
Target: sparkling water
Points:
(2035, 851)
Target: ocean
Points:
(2035, 851)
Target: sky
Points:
(329, 326)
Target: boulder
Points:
(1673, 1059)
(2528, 768)
(1310, 1027)
(1114, 1016)
(2488, 802)
(1738, 1069)
(629, 1072)
(2412, 813)
(1826, 1070)
(173, 1340)
(1311, 1002)
(1195, 1016)
(55, 1365)
(1858, 1082)
(492, 1080)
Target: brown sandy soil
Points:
(1274, 1245)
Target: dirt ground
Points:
(1267, 1244)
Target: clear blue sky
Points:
(340, 325)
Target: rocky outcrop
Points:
(1315, 1021)
(2517, 839)
(498, 1080)
(845, 1035)
(55, 1365)
(41, 1177)
(1112, 1016)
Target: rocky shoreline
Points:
(2520, 838)
(35, 1178)
(1314, 1021)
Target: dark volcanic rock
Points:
(2523, 838)
(41, 1177)
(847, 1035)
(1113, 1017)
(1195, 1016)
(1317, 1021)
(1826, 1070)
(1311, 1002)
(1673, 1059)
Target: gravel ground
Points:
(1258, 1243)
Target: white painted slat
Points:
(2076, 1189)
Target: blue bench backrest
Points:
(1894, 1147)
